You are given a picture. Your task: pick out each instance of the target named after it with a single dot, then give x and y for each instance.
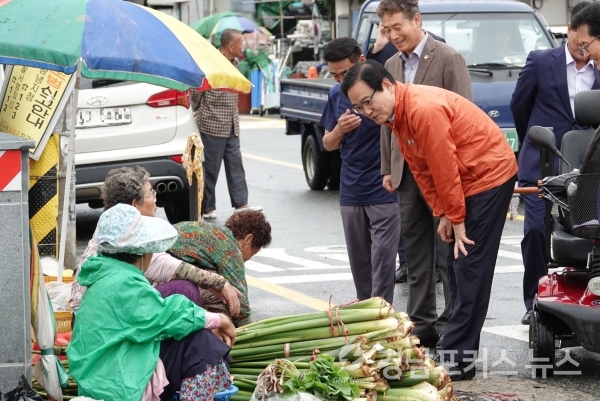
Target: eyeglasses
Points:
(152, 194)
(359, 109)
(584, 48)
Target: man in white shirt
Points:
(544, 95)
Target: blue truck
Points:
(494, 37)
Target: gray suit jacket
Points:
(440, 65)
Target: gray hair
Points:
(228, 36)
(124, 185)
(390, 7)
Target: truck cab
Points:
(494, 37)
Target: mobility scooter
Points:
(566, 310)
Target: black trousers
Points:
(470, 277)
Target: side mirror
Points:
(544, 138)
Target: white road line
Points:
(509, 269)
(309, 278)
(520, 332)
(342, 257)
(508, 254)
(261, 268)
(279, 254)
(511, 241)
(317, 268)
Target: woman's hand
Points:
(226, 330)
(230, 296)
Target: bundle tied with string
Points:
(367, 340)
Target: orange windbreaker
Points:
(452, 147)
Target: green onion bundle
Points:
(368, 340)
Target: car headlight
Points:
(594, 286)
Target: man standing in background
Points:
(545, 95)
(369, 212)
(218, 121)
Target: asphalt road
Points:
(307, 264)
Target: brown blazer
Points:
(440, 65)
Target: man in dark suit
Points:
(420, 60)
(545, 95)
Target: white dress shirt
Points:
(578, 80)
(412, 62)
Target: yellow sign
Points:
(32, 103)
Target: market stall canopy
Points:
(212, 26)
(114, 39)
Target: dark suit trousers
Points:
(533, 246)
(419, 233)
(470, 277)
(216, 151)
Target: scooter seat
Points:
(567, 249)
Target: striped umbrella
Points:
(211, 27)
(114, 39)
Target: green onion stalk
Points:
(421, 392)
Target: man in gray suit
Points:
(420, 60)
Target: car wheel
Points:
(336, 169)
(317, 164)
(541, 343)
(177, 207)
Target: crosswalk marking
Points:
(309, 278)
(260, 267)
(509, 254)
(518, 332)
(302, 270)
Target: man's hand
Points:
(387, 183)
(226, 330)
(445, 230)
(348, 122)
(460, 235)
(381, 40)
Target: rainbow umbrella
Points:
(113, 39)
(211, 27)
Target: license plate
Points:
(105, 117)
(513, 139)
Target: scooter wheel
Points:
(541, 344)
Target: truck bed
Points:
(304, 99)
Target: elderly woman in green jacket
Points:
(129, 342)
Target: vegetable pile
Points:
(357, 351)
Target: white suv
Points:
(126, 124)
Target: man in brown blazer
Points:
(420, 60)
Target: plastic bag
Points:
(300, 396)
(59, 294)
(22, 393)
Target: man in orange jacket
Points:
(466, 171)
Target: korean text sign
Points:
(32, 102)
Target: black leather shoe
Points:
(457, 371)
(527, 317)
(429, 341)
(438, 278)
(438, 345)
(402, 273)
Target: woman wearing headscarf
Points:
(224, 250)
(122, 320)
(131, 186)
